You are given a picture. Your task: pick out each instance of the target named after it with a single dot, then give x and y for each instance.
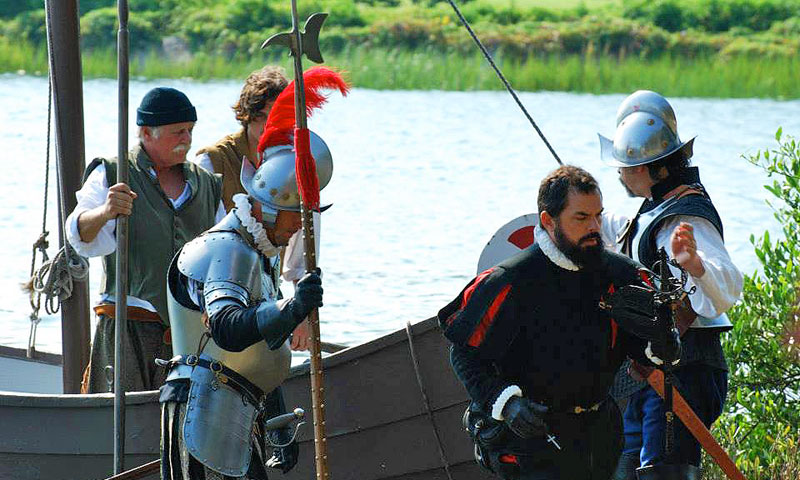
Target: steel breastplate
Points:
(644, 220)
(263, 367)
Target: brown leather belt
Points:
(136, 314)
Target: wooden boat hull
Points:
(376, 421)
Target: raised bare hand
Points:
(684, 249)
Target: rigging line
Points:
(54, 278)
(503, 79)
(41, 243)
(426, 402)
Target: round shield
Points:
(512, 238)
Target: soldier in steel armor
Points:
(536, 349)
(678, 215)
(230, 326)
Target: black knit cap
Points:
(163, 106)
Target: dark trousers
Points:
(144, 343)
(704, 388)
(590, 446)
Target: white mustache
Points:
(182, 148)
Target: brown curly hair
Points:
(262, 86)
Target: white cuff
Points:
(648, 352)
(502, 399)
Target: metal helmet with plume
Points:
(274, 180)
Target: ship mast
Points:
(66, 79)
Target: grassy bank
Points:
(728, 48)
(382, 68)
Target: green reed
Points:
(401, 69)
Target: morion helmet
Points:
(647, 131)
(273, 181)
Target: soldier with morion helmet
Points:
(677, 214)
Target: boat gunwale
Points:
(51, 400)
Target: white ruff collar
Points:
(551, 251)
(254, 227)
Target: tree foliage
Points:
(762, 422)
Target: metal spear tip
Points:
(283, 39)
(308, 38)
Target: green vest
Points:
(156, 229)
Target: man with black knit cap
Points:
(537, 350)
(169, 201)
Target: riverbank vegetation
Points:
(760, 427)
(728, 48)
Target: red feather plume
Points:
(281, 120)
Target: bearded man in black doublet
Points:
(536, 351)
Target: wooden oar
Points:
(696, 427)
(139, 472)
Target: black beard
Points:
(627, 188)
(588, 257)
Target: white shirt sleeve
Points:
(204, 160)
(721, 284)
(611, 227)
(92, 195)
(220, 213)
(294, 264)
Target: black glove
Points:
(524, 417)
(666, 349)
(633, 308)
(283, 458)
(307, 295)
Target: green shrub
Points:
(761, 424)
(12, 8)
(99, 30)
(668, 15)
(250, 15)
(29, 26)
(713, 15)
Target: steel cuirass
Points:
(219, 418)
(229, 268)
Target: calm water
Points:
(422, 180)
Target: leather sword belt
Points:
(593, 408)
(136, 314)
(577, 409)
(225, 375)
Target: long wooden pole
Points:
(121, 321)
(317, 385)
(66, 78)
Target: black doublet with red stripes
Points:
(531, 323)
